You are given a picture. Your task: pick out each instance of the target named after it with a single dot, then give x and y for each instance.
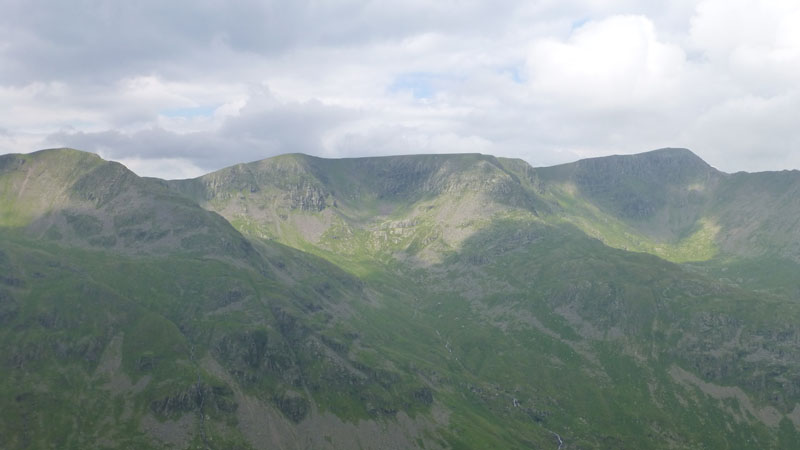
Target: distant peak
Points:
(667, 153)
(660, 160)
(676, 151)
(671, 152)
(63, 151)
(53, 159)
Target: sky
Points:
(178, 88)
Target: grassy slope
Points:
(31, 185)
(78, 199)
(672, 204)
(445, 252)
(133, 338)
(473, 293)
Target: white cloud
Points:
(761, 130)
(184, 86)
(164, 168)
(756, 43)
(614, 63)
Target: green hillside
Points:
(670, 203)
(428, 301)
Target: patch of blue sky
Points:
(579, 23)
(423, 85)
(515, 72)
(189, 113)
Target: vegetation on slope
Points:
(458, 246)
(443, 301)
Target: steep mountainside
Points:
(661, 194)
(404, 206)
(79, 199)
(173, 330)
(671, 203)
(759, 214)
(460, 239)
(429, 301)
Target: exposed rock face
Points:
(260, 358)
(307, 198)
(199, 397)
(663, 193)
(436, 301)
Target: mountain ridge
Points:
(682, 211)
(65, 194)
(429, 301)
(686, 212)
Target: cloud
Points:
(184, 86)
(84, 40)
(164, 168)
(262, 127)
(754, 43)
(762, 131)
(610, 64)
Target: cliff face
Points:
(759, 213)
(430, 301)
(667, 202)
(421, 205)
(167, 327)
(661, 194)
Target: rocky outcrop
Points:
(199, 397)
(307, 197)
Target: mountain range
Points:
(424, 301)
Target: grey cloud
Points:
(509, 78)
(750, 133)
(100, 42)
(264, 128)
(202, 148)
(151, 143)
(295, 127)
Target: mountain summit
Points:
(77, 198)
(663, 166)
(421, 301)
